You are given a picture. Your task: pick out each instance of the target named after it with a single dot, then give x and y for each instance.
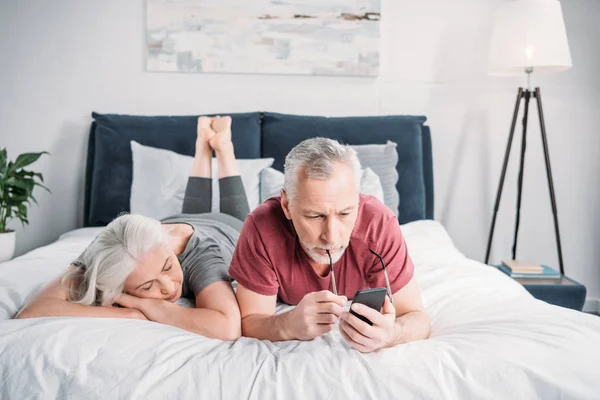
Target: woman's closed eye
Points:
(149, 284)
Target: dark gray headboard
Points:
(257, 134)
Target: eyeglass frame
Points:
(385, 274)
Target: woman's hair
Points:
(106, 263)
(316, 158)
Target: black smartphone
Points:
(373, 298)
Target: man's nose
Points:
(330, 231)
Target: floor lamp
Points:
(528, 36)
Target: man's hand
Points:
(364, 337)
(315, 315)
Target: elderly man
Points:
(284, 252)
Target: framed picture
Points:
(304, 37)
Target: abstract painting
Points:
(306, 37)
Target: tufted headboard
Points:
(254, 135)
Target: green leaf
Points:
(24, 220)
(42, 186)
(9, 212)
(15, 200)
(26, 184)
(17, 186)
(25, 159)
(31, 174)
(22, 210)
(3, 158)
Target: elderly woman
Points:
(137, 267)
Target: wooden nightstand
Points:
(564, 292)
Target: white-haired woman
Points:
(137, 267)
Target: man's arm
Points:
(412, 322)
(216, 314)
(258, 316)
(312, 317)
(402, 322)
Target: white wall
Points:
(60, 60)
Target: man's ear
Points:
(285, 204)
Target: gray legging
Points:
(233, 201)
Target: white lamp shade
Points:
(528, 34)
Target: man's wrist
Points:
(284, 327)
(396, 336)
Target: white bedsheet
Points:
(490, 340)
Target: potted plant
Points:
(16, 191)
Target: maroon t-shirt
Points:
(269, 259)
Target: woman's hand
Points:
(133, 313)
(152, 309)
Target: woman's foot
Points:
(201, 167)
(205, 133)
(223, 147)
(221, 140)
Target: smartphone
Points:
(373, 298)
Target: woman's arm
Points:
(216, 315)
(52, 302)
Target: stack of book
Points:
(525, 269)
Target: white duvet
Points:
(490, 340)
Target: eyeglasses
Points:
(387, 279)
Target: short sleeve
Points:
(205, 265)
(392, 248)
(251, 266)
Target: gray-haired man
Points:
(284, 252)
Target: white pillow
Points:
(382, 159)
(271, 183)
(370, 183)
(160, 177)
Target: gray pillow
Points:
(382, 159)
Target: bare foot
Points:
(221, 140)
(205, 132)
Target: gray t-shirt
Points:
(209, 250)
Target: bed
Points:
(490, 339)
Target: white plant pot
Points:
(7, 245)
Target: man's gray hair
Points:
(316, 158)
(106, 263)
